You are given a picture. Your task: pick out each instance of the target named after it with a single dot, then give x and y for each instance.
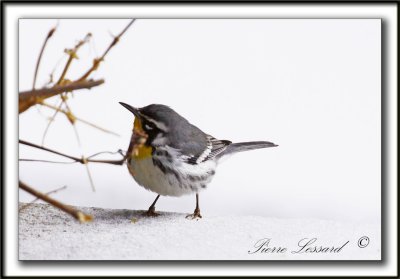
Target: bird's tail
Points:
(245, 146)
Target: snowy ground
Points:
(45, 233)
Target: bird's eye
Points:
(148, 127)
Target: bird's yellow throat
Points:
(144, 151)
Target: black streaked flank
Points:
(167, 170)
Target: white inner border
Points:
(12, 12)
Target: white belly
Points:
(185, 178)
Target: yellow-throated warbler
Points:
(177, 158)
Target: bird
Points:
(172, 157)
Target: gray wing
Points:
(195, 145)
(188, 139)
(213, 148)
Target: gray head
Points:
(156, 116)
(163, 125)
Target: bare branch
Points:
(90, 178)
(107, 152)
(51, 119)
(49, 35)
(44, 161)
(72, 55)
(32, 97)
(70, 115)
(97, 61)
(82, 217)
(78, 160)
(48, 193)
(62, 87)
(88, 158)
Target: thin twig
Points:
(97, 61)
(97, 127)
(72, 121)
(90, 178)
(44, 161)
(33, 97)
(59, 162)
(49, 35)
(107, 152)
(76, 134)
(78, 160)
(72, 56)
(82, 217)
(72, 116)
(47, 194)
(51, 121)
(51, 75)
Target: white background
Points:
(310, 86)
(388, 12)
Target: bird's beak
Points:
(135, 111)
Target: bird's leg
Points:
(196, 213)
(152, 209)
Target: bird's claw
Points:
(196, 214)
(151, 212)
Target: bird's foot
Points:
(151, 212)
(196, 214)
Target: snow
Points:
(46, 233)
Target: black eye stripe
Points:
(151, 130)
